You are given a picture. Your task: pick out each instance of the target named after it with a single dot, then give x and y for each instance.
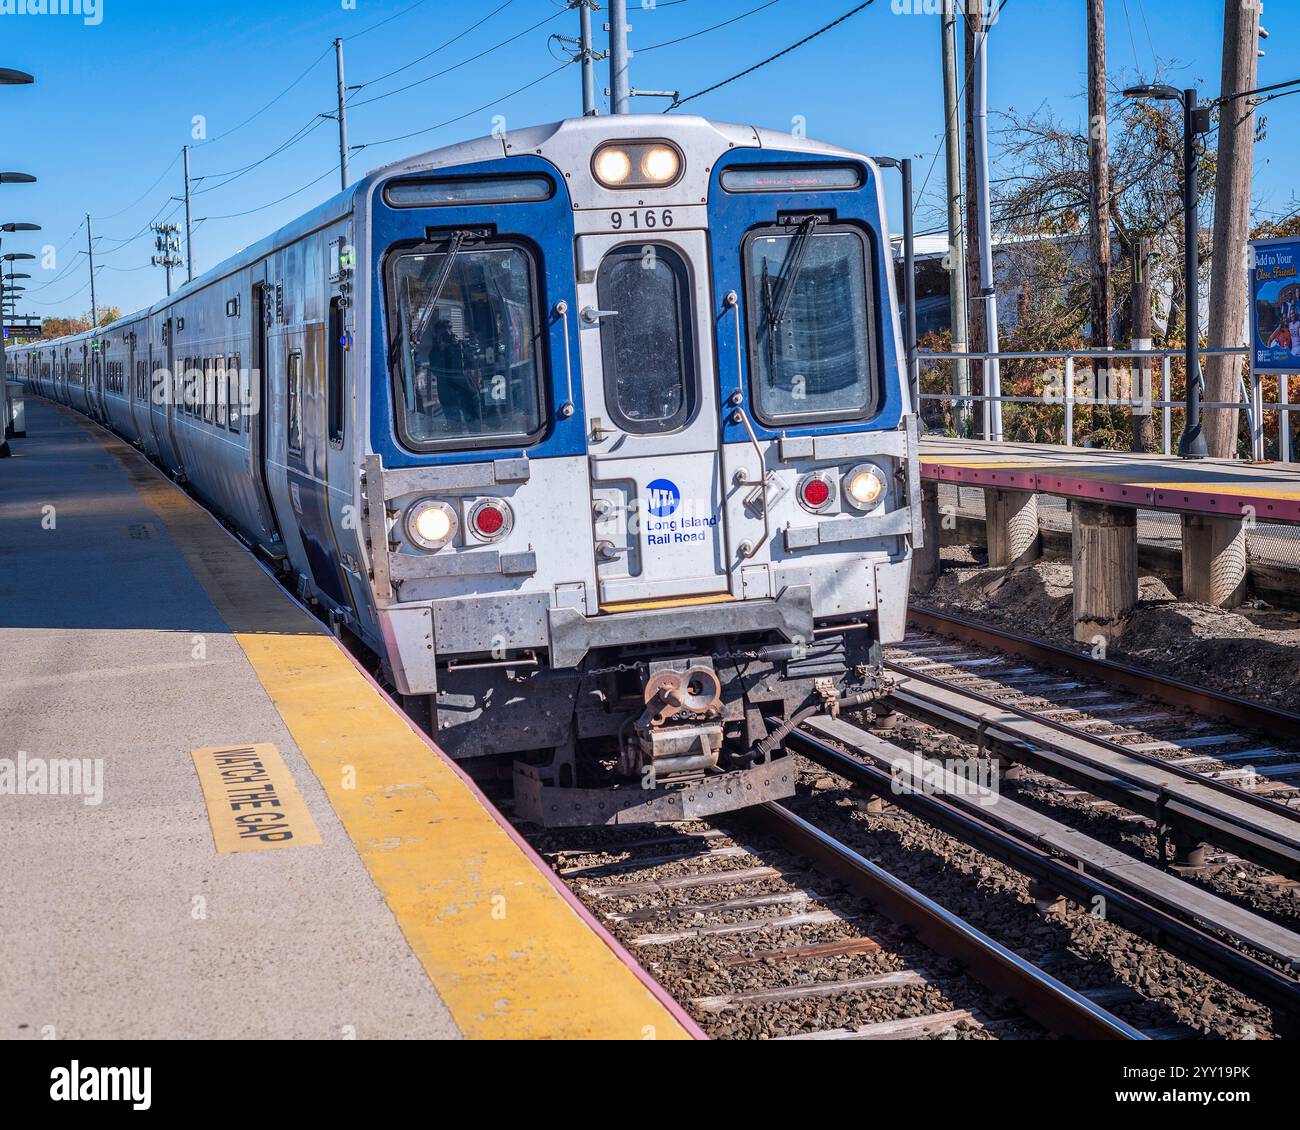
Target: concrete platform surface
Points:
(133, 631)
(1156, 482)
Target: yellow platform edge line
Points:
(511, 953)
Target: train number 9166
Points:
(639, 219)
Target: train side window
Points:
(209, 391)
(232, 391)
(646, 350)
(219, 371)
(185, 383)
(336, 365)
(294, 382)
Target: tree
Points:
(1045, 195)
(62, 326)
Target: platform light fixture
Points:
(1196, 120)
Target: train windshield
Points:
(812, 349)
(466, 344)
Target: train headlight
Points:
(612, 166)
(430, 524)
(660, 164)
(865, 486)
(637, 164)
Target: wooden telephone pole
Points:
(1098, 197)
(1231, 221)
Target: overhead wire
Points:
(770, 59)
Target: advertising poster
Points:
(1275, 305)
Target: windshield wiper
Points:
(785, 282)
(457, 241)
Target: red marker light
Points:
(491, 519)
(816, 492)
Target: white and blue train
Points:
(596, 434)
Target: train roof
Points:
(544, 140)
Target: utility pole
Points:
(976, 335)
(1098, 200)
(90, 253)
(619, 55)
(167, 245)
(343, 114)
(956, 263)
(588, 57)
(585, 55)
(189, 227)
(988, 281)
(1231, 221)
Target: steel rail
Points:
(1054, 1005)
(1204, 821)
(1198, 947)
(1225, 787)
(1172, 692)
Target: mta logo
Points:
(662, 497)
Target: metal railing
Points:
(1062, 392)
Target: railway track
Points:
(809, 922)
(772, 927)
(1200, 782)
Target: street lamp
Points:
(1196, 120)
(10, 77)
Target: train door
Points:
(96, 394)
(154, 387)
(131, 387)
(653, 428)
(260, 405)
(166, 385)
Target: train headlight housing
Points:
(430, 524)
(865, 486)
(637, 164)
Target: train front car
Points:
(643, 484)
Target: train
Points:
(596, 436)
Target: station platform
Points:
(1156, 482)
(156, 687)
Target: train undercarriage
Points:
(654, 732)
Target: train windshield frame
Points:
(811, 302)
(467, 355)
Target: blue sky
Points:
(115, 100)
